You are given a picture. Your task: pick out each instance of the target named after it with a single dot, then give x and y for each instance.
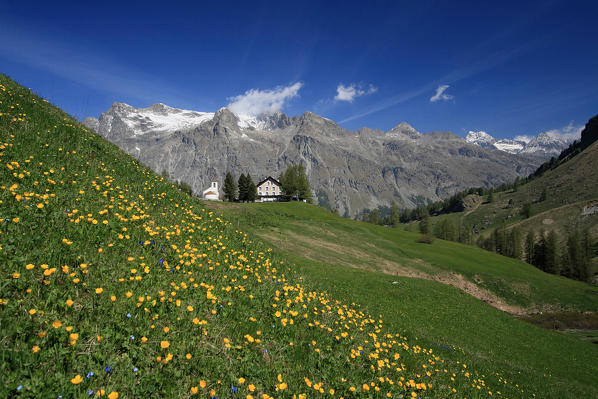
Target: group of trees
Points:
(570, 259)
(295, 185)
(573, 259)
(247, 188)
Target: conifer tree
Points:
(424, 224)
(251, 189)
(242, 188)
(551, 264)
(394, 214)
(230, 188)
(530, 243)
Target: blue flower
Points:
(135, 369)
(19, 387)
(128, 315)
(132, 337)
(234, 389)
(90, 374)
(108, 369)
(90, 392)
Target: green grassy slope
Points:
(116, 284)
(316, 234)
(322, 245)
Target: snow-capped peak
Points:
(160, 117)
(480, 138)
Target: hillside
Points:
(563, 200)
(350, 170)
(116, 284)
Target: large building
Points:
(269, 190)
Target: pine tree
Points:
(551, 264)
(515, 243)
(230, 188)
(530, 243)
(251, 195)
(242, 188)
(373, 217)
(424, 224)
(394, 214)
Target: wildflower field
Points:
(115, 284)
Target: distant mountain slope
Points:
(571, 201)
(349, 170)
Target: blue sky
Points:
(508, 68)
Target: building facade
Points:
(269, 190)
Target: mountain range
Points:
(348, 170)
(545, 143)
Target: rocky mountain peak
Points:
(404, 129)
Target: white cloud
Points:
(255, 102)
(567, 133)
(440, 95)
(348, 93)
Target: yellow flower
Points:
(32, 311)
(164, 344)
(241, 380)
(188, 356)
(29, 266)
(69, 302)
(57, 324)
(74, 336)
(35, 349)
(16, 275)
(40, 205)
(194, 390)
(202, 383)
(144, 339)
(113, 298)
(113, 395)
(77, 379)
(99, 290)
(282, 386)
(251, 387)
(16, 220)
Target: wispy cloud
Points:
(78, 64)
(441, 95)
(255, 102)
(486, 63)
(349, 93)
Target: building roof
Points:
(210, 193)
(271, 179)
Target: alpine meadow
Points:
(115, 283)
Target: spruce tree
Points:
(551, 254)
(515, 243)
(394, 214)
(530, 243)
(242, 188)
(251, 189)
(230, 188)
(424, 224)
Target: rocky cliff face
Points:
(354, 170)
